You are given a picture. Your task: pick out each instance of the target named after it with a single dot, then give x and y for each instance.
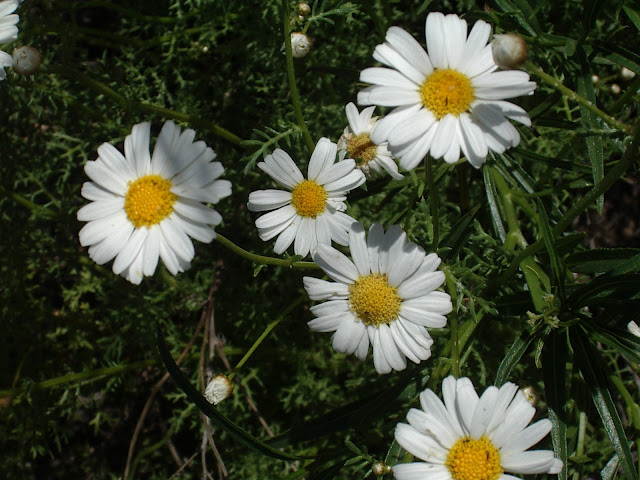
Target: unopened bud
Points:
(303, 9)
(627, 74)
(595, 79)
(380, 468)
(26, 60)
(300, 44)
(509, 50)
(615, 89)
(531, 395)
(218, 388)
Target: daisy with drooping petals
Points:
(471, 438)
(312, 210)
(385, 297)
(8, 32)
(449, 101)
(146, 207)
(356, 143)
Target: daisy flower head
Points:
(311, 210)
(469, 437)
(385, 296)
(449, 101)
(144, 207)
(8, 32)
(356, 143)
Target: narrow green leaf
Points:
(589, 120)
(617, 287)
(211, 411)
(549, 242)
(554, 360)
(631, 265)
(496, 218)
(627, 344)
(590, 364)
(619, 55)
(509, 8)
(458, 234)
(600, 260)
(633, 16)
(610, 469)
(590, 9)
(513, 357)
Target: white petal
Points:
(136, 148)
(410, 49)
(379, 360)
(323, 156)
(527, 437)
(419, 445)
(335, 264)
(391, 351)
(358, 248)
(348, 335)
(262, 200)
(381, 131)
(476, 41)
(130, 250)
(435, 35)
(318, 289)
(535, 461)
(282, 169)
(411, 128)
(420, 471)
(388, 55)
(456, 36)
(442, 140)
(387, 77)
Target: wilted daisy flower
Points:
(311, 211)
(144, 207)
(356, 143)
(8, 32)
(448, 101)
(385, 297)
(470, 438)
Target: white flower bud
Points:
(218, 388)
(633, 328)
(26, 60)
(615, 89)
(531, 395)
(595, 79)
(300, 44)
(509, 50)
(303, 9)
(627, 74)
(380, 468)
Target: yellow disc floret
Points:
(361, 146)
(471, 459)
(309, 199)
(447, 91)
(373, 300)
(149, 200)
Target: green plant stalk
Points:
(571, 95)
(453, 323)
(261, 259)
(632, 406)
(141, 106)
(533, 274)
(581, 205)
(582, 431)
(433, 201)
(266, 332)
(34, 207)
(291, 75)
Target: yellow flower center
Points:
(373, 300)
(149, 200)
(309, 199)
(471, 459)
(361, 147)
(447, 91)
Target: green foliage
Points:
(540, 247)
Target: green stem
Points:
(261, 259)
(433, 201)
(585, 202)
(266, 332)
(291, 75)
(142, 106)
(34, 207)
(443, 367)
(571, 95)
(453, 322)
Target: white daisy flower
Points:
(449, 101)
(356, 143)
(385, 297)
(470, 438)
(8, 32)
(144, 207)
(311, 211)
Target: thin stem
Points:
(571, 95)
(34, 207)
(291, 75)
(453, 322)
(142, 106)
(433, 201)
(261, 259)
(266, 332)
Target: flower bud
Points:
(26, 60)
(303, 9)
(633, 328)
(380, 468)
(300, 44)
(509, 50)
(531, 395)
(218, 388)
(615, 88)
(627, 74)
